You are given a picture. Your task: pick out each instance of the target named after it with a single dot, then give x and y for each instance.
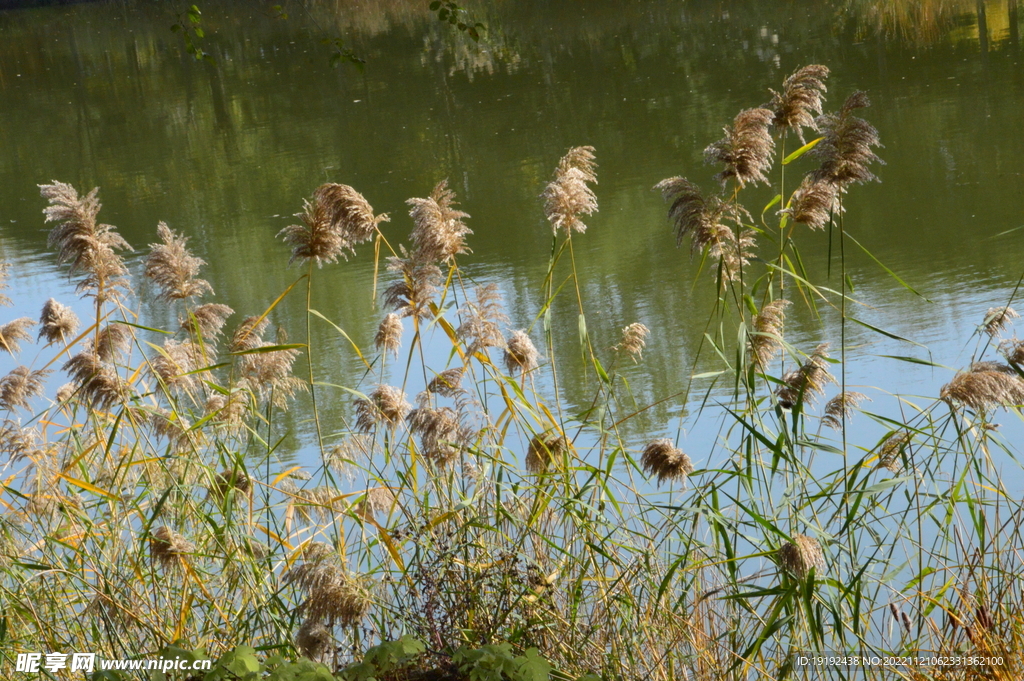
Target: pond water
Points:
(104, 94)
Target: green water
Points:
(103, 94)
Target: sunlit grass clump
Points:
(466, 503)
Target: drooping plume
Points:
(634, 339)
(841, 407)
(747, 148)
(57, 322)
(412, 293)
(14, 331)
(5, 268)
(520, 353)
(21, 385)
(766, 341)
(337, 218)
(664, 459)
(814, 203)
(439, 233)
(845, 150)
(801, 555)
(997, 319)
(389, 334)
(90, 248)
(807, 381)
(207, 320)
(800, 100)
(386, 405)
(481, 318)
(568, 196)
(545, 449)
(703, 220)
(441, 434)
(985, 385)
(173, 268)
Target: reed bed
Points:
(466, 505)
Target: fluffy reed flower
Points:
(703, 220)
(814, 203)
(440, 433)
(332, 594)
(481, 318)
(98, 382)
(57, 322)
(313, 640)
(545, 448)
(65, 393)
(175, 366)
(412, 294)
(385, 405)
(167, 547)
(807, 381)
(21, 385)
(438, 234)
(228, 410)
(229, 481)
(335, 220)
(175, 428)
(997, 318)
(448, 383)
(802, 93)
(766, 341)
(520, 353)
(567, 197)
(1013, 350)
(18, 442)
(389, 334)
(206, 320)
(891, 451)
(267, 373)
(5, 268)
(249, 334)
(984, 386)
(173, 268)
(663, 459)
(747, 148)
(841, 407)
(800, 555)
(112, 341)
(352, 450)
(845, 150)
(87, 246)
(375, 500)
(14, 331)
(634, 339)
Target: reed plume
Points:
(313, 640)
(568, 196)
(1013, 350)
(807, 381)
(332, 594)
(97, 381)
(57, 322)
(441, 434)
(448, 383)
(248, 334)
(814, 203)
(231, 481)
(389, 334)
(997, 319)
(481, 318)
(173, 268)
(545, 449)
(766, 341)
(14, 331)
(21, 385)
(438, 234)
(703, 220)
(228, 410)
(890, 454)
(335, 221)
(176, 429)
(634, 340)
(376, 500)
(747, 148)
(206, 320)
(18, 442)
(269, 372)
(800, 555)
(343, 457)
(176, 366)
(386, 404)
(845, 149)
(520, 353)
(665, 460)
(841, 407)
(802, 93)
(5, 268)
(112, 341)
(88, 247)
(984, 386)
(168, 548)
(412, 294)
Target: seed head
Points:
(481, 319)
(385, 405)
(747, 148)
(167, 547)
(890, 454)
(21, 385)
(5, 268)
(800, 555)
(984, 386)
(207, 320)
(766, 341)
(440, 433)
(634, 339)
(313, 640)
(845, 150)
(545, 449)
(439, 233)
(815, 202)
(448, 383)
(332, 594)
(412, 294)
(1013, 350)
(520, 353)
(376, 500)
(353, 449)
(389, 334)
(57, 322)
(567, 197)
(14, 331)
(663, 459)
(173, 268)
(807, 381)
(337, 218)
(801, 97)
(841, 407)
(229, 481)
(98, 382)
(997, 318)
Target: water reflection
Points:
(103, 94)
